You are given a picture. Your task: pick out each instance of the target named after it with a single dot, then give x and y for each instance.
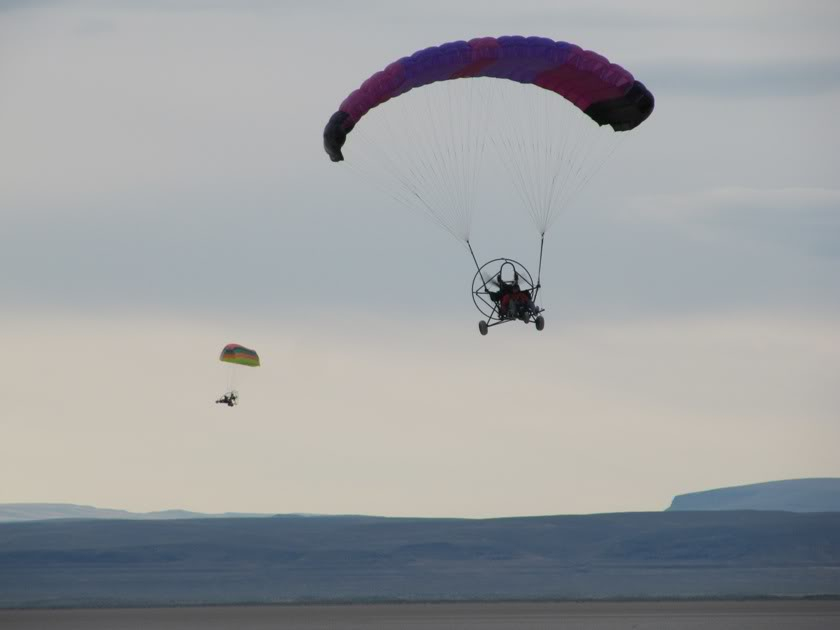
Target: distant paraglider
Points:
(551, 111)
(236, 355)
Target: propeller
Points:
(489, 280)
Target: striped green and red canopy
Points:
(234, 353)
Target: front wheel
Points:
(539, 322)
(482, 327)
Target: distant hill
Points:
(17, 512)
(91, 563)
(791, 495)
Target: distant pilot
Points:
(229, 399)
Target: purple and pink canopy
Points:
(604, 91)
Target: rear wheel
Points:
(482, 327)
(539, 322)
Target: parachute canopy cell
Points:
(234, 353)
(604, 91)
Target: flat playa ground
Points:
(676, 615)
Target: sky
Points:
(164, 191)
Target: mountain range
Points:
(716, 554)
(791, 495)
(778, 539)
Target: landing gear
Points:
(539, 322)
(482, 327)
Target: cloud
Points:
(734, 78)
(801, 217)
(17, 5)
(740, 198)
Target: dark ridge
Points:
(790, 495)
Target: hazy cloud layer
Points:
(584, 418)
(732, 78)
(804, 219)
(163, 190)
